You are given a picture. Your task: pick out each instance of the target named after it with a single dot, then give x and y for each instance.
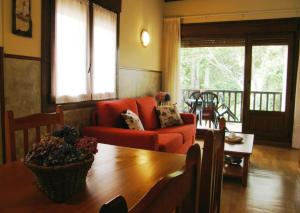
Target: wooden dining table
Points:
(116, 171)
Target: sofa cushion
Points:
(147, 112)
(168, 116)
(187, 131)
(109, 112)
(170, 142)
(132, 120)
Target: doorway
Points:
(269, 68)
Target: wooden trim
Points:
(273, 143)
(233, 29)
(2, 105)
(295, 67)
(23, 57)
(112, 5)
(46, 26)
(141, 69)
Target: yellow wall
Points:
(19, 45)
(229, 10)
(1, 24)
(136, 15)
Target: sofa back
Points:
(109, 112)
(147, 112)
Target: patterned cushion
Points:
(168, 116)
(132, 120)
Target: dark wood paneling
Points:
(2, 105)
(172, 0)
(239, 28)
(113, 5)
(22, 57)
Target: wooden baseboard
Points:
(22, 57)
(273, 143)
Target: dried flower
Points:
(62, 148)
(69, 133)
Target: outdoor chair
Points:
(209, 104)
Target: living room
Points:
(140, 71)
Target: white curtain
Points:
(171, 57)
(69, 74)
(104, 54)
(296, 132)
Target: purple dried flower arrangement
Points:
(61, 148)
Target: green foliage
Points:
(222, 68)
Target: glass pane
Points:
(268, 81)
(104, 53)
(71, 49)
(216, 69)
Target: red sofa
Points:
(110, 128)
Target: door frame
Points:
(288, 116)
(2, 105)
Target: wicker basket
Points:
(60, 182)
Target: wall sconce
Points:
(145, 38)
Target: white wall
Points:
(1, 23)
(296, 132)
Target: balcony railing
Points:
(263, 101)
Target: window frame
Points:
(47, 49)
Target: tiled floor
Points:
(273, 184)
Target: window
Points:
(77, 77)
(79, 52)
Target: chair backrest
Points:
(12, 124)
(212, 170)
(177, 191)
(193, 101)
(209, 100)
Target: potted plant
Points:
(61, 162)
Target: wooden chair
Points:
(177, 191)
(209, 104)
(24, 124)
(212, 170)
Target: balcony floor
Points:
(231, 126)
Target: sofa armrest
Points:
(123, 137)
(188, 118)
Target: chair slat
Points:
(25, 123)
(25, 138)
(37, 134)
(49, 128)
